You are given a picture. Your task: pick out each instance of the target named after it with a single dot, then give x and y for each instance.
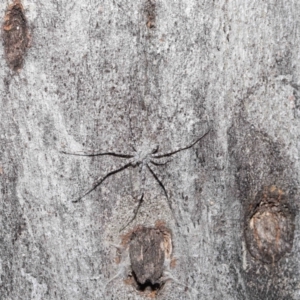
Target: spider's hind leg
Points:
(135, 212)
(165, 192)
(141, 200)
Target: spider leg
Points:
(133, 147)
(143, 175)
(160, 163)
(181, 149)
(159, 182)
(165, 192)
(155, 150)
(136, 210)
(101, 179)
(95, 153)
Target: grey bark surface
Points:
(117, 75)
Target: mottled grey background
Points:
(93, 69)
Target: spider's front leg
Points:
(130, 163)
(99, 153)
(157, 155)
(160, 161)
(102, 178)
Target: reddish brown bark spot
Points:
(149, 247)
(269, 229)
(150, 11)
(147, 256)
(15, 35)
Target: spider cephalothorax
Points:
(143, 157)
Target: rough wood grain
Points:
(97, 77)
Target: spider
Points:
(143, 158)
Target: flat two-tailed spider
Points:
(142, 157)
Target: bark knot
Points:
(269, 229)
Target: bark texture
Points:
(145, 78)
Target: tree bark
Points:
(140, 81)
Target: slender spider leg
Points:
(165, 191)
(133, 147)
(180, 149)
(158, 163)
(143, 175)
(155, 150)
(101, 179)
(159, 182)
(136, 210)
(98, 154)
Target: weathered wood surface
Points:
(124, 75)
